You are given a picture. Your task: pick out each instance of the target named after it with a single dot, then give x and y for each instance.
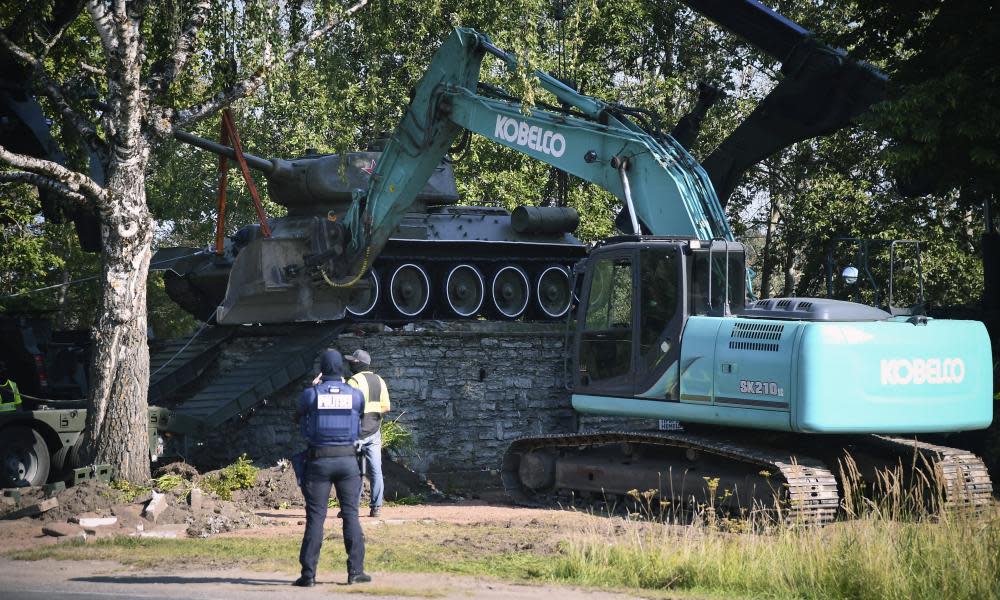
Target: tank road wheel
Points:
(24, 457)
(554, 292)
(410, 289)
(364, 301)
(464, 290)
(511, 291)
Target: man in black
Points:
(329, 416)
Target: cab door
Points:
(605, 348)
(659, 320)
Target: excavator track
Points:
(805, 488)
(962, 477)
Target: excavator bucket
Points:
(267, 285)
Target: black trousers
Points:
(343, 473)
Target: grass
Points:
(956, 558)
(900, 544)
(414, 548)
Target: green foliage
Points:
(395, 436)
(168, 482)
(128, 492)
(865, 559)
(412, 500)
(36, 253)
(353, 85)
(240, 475)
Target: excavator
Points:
(772, 391)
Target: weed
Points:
(168, 482)
(411, 500)
(128, 492)
(238, 476)
(395, 436)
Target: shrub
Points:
(238, 476)
(395, 436)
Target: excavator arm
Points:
(821, 91)
(664, 189)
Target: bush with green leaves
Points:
(395, 436)
(240, 475)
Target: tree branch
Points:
(43, 182)
(92, 69)
(103, 23)
(53, 91)
(76, 182)
(126, 97)
(247, 86)
(183, 47)
(53, 41)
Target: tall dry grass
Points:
(896, 539)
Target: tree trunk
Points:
(117, 418)
(789, 286)
(772, 222)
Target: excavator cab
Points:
(637, 295)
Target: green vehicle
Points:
(43, 390)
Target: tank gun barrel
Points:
(261, 164)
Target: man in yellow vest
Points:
(376, 395)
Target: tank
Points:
(444, 261)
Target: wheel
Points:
(554, 291)
(511, 291)
(463, 290)
(364, 301)
(24, 457)
(410, 289)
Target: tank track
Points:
(962, 476)
(810, 488)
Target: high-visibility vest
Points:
(12, 404)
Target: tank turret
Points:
(316, 184)
(443, 261)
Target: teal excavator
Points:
(773, 392)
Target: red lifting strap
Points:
(227, 135)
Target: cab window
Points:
(606, 339)
(658, 284)
(700, 272)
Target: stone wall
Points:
(464, 390)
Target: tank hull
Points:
(264, 280)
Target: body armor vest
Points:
(334, 418)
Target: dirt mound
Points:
(401, 482)
(203, 517)
(180, 468)
(275, 488)
(86, 497)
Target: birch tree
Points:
(152, 61)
